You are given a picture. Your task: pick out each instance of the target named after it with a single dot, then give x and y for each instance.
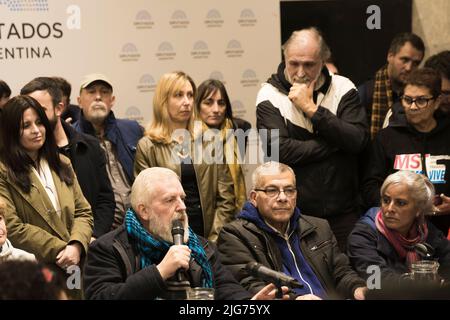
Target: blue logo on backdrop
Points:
(26, 5)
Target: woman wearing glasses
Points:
(46, 212)
(416, 141)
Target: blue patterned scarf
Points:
(152, 251)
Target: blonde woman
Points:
(168, 143)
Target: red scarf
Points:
(403, 245)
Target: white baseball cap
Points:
(88, 79)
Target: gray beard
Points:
(319, 83)
(164, 232)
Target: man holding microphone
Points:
(138, 260)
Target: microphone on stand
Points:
(424, 250)
(278, 278)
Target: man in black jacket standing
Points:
(271, 231)
(136, 260)
(88, 159)
(322, 129)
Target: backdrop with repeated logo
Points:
(135, 42)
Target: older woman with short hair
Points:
(416, 140)
(391, 237)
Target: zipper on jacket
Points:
(296, 266)
(320, 245)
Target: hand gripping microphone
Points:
(178, 235)
(278, 278)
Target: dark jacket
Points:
(367, 246)
(244, 126)
(88, 161)
(365, 92)
(401, 147)
(241, 242)
(110, 256)
(322, 151)
(122, 133)
(72, 111)
(241, 124)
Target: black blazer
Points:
(89, 163)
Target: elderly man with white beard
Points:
(137, 260)
(117, 137)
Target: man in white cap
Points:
(118, 137)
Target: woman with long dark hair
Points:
(213, 108)
(46, 212)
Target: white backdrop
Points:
(134, 42)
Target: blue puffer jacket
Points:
(124, 134)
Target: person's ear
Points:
(113, 100)
(252, 197)
(437, 103)
(390, 57)
(143, 212)
(58, 109)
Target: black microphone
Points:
(177, 232)
(424, 250)
(178, 235)
(259, 271)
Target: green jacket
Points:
(213, 180)
(33, 224)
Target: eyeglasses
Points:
(421, 102)
(275, 192)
